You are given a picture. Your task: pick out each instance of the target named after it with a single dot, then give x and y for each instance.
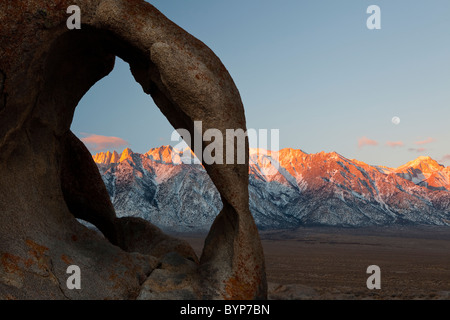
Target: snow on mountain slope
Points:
(287, 188)
(426, 172)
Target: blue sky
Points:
(311, 69)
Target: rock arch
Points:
(48, 177)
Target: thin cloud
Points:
(418, 150)
(364, 141)
(394, 144)
(95, 142)
(445, 158)
(427, 141)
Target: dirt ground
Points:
(331, 263)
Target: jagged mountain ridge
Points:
(288, 188)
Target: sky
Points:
(311, 69)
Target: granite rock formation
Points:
(48, 179)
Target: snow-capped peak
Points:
(424, 164)
(170, 155)
(106, 157)
(125, 154)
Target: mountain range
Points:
(288, 188)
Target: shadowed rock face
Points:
(47, 177)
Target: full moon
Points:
(396, 120)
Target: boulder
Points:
(48, 178)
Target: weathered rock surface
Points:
(175, 278)
(48, 180)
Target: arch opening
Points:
(88, 55)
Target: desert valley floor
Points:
(331, 263)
